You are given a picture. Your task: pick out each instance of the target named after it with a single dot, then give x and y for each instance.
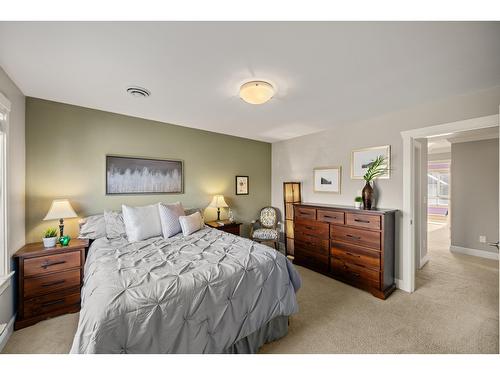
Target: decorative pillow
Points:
(92, 227)
(191, 223)
(142, 222)
(115, 228)
(169, 218)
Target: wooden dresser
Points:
(349, 244)
(49, 281)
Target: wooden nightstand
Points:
(227, 226)
(49, 281)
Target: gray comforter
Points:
(194, 294)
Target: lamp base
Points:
(61, 227)
(218, 214)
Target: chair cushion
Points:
(268, 217)
(265, 234)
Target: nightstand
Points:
(49, 280)
(226, 226)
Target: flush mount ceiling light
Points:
(138, 92)
(256, 92)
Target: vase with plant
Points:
(377, 168)
(357, 202)
(50, 237)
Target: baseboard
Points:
(473, 252)
(423, 261)
(5, 335)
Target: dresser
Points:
(49, 281)
(349, 244)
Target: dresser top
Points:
(37, 249)
(346, 208)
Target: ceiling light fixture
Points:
(256, 92)
(138, 92)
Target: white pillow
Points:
(169, 218)
(142, 222)
(191, 223)
(92, 227)
(115, 228)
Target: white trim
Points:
(5, 335)
(473, 252)
(409, 136)
(424, 260)
(4, 102)
(5, 282)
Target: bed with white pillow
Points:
(198, 290)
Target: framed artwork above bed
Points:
(134, 175)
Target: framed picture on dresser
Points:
(327, 179)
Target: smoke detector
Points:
(138, 92)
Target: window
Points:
(438, 184)
(4, 257)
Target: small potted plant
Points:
(357, 202)
(50, 237)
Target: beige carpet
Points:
(454, 310)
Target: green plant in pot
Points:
(377, 168)
(357, 202)
(50, 237)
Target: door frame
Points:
(408, 253)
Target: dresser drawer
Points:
(334, 217)
(312, 228)
(311, 244)
(356, 236)
(355, 274)
(51, 263)
(356, 255)
(312, 261)
(304, 213)
(363, 221)
(51, 302)
(36, 286)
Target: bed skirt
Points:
(274, 330)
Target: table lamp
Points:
(60, 209)
(218, 202)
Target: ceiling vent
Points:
(138, 92)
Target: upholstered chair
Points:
(265, 228)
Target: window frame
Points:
(5, 273)
(438, 196)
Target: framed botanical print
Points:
(241, 185)
(327, 180)
(362, 158)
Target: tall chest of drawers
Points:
(48, 281)
(351, 245)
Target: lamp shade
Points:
(218, 202)
(60, 209)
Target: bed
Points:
(209, 292)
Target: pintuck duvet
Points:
(197, 294)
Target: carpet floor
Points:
(453, 310)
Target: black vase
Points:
(367, 195)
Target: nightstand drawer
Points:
(36, 286)
(51, 263)
(51, 302)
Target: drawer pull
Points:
(310, 228)
(47, 264)
(353, 255)
(353, 237)
(362, 221)
(53, 283)
(56, 302)
(330, 217)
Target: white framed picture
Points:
(362, 158)
(327, 179)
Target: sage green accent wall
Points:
(65, 158)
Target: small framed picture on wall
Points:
(327, 180)
(241, 185)
(361, 160)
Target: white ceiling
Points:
(327, 73)
(443, 143)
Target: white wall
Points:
(16, 179)
(474, 194)
(294, 160)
